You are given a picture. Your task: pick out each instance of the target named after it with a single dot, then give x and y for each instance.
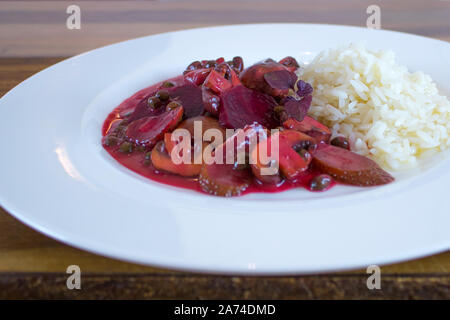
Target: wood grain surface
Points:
(33, 265)
(38, 28)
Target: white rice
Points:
(387, 113)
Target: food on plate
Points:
(387, 113)
(226, 130)
(349, 167)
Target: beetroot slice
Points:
(254, 77)
(348, 167)
(148, 130)
(216, 82)
(211, 101)
(242, 106)
(143, 110)
(197, 77)
(223, 180)
(280, 81)
(190, 97)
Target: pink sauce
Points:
(135, 161)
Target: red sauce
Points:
(135, 161)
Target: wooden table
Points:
(33, 36)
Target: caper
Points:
(280, 113)
(172, 105)
(194, 66)
(140, 148)
(167, 84)
(148, 158)
(210, 64)
(289, 62)
(238, 63)
(305, 155)
(222, 69)
(121, 127)
(126, 147)
(278, 109)
(242, 166)
(302, 144)
(119, 130)
(110, 141)
(320, 182)
(162, 95)
(312, 147)
(340, 142)
(154, 102)
(123, 123)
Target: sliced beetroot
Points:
(149, 130)
(197, 77)
(143, 110)
(304, 88)
(348, 167)
(211, 101)
(223, 180)
(253, 76)
(279, 82)
(217, 82)
(269, 77)
(242, 106)
(190, 97)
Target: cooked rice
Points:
(387, 113)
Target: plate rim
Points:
(9, 208)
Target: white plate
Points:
(56, 177)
